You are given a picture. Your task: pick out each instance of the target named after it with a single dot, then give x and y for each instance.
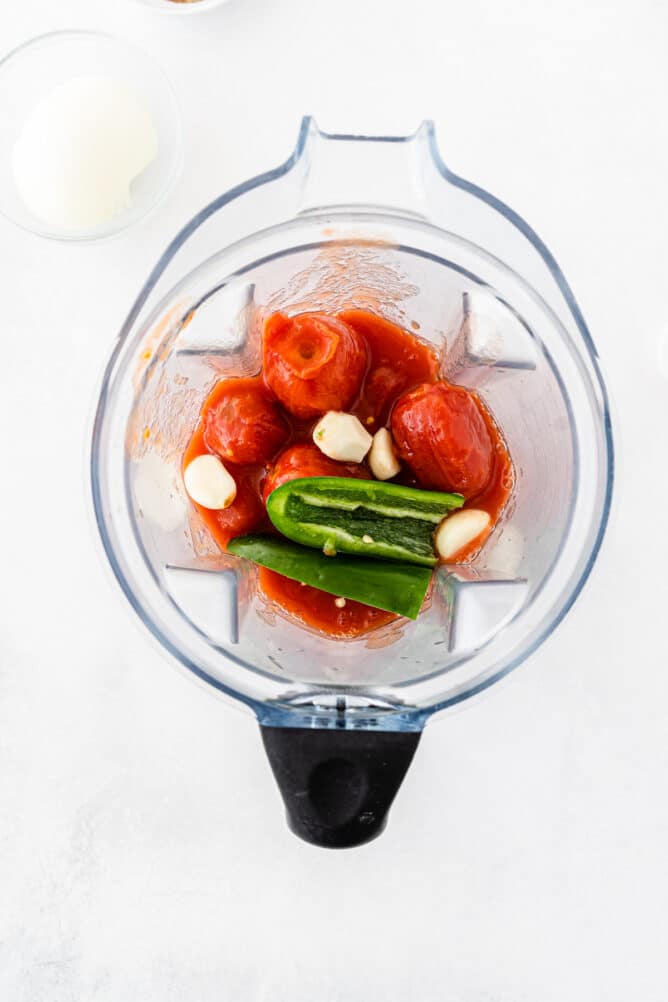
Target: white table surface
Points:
(143, 850)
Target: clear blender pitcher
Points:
(378, 223)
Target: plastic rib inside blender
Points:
(195, 339)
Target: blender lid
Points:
(378, 222)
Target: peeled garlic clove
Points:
(342, 436)
(209, 484)
(382, 457)
(459, 530)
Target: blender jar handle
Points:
(338, 783)
(329, 173)
(387, 173)
(324, 172)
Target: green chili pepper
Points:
(394, 587)
(365, 517)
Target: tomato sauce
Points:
(261, 428)
(495, 495)
(397, 361)
(340, 618)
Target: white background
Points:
(143, 852)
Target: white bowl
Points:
(36, 68)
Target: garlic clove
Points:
(342, 436)
(459, 530)
(209, 483)
(382, 457)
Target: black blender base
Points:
(338, 784)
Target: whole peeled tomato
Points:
(242, 423)
(313, 363)
(441, 434)
(244, 514)
(306, 460)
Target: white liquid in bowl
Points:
(80, 150)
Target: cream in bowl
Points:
(79, 151)
(90, 135)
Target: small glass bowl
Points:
(33, 70)
(173, 7)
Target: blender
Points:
(379, 223)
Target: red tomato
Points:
(306, 460)
(244, 514)
(242, 423)
(440, 432)
(313, 363)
